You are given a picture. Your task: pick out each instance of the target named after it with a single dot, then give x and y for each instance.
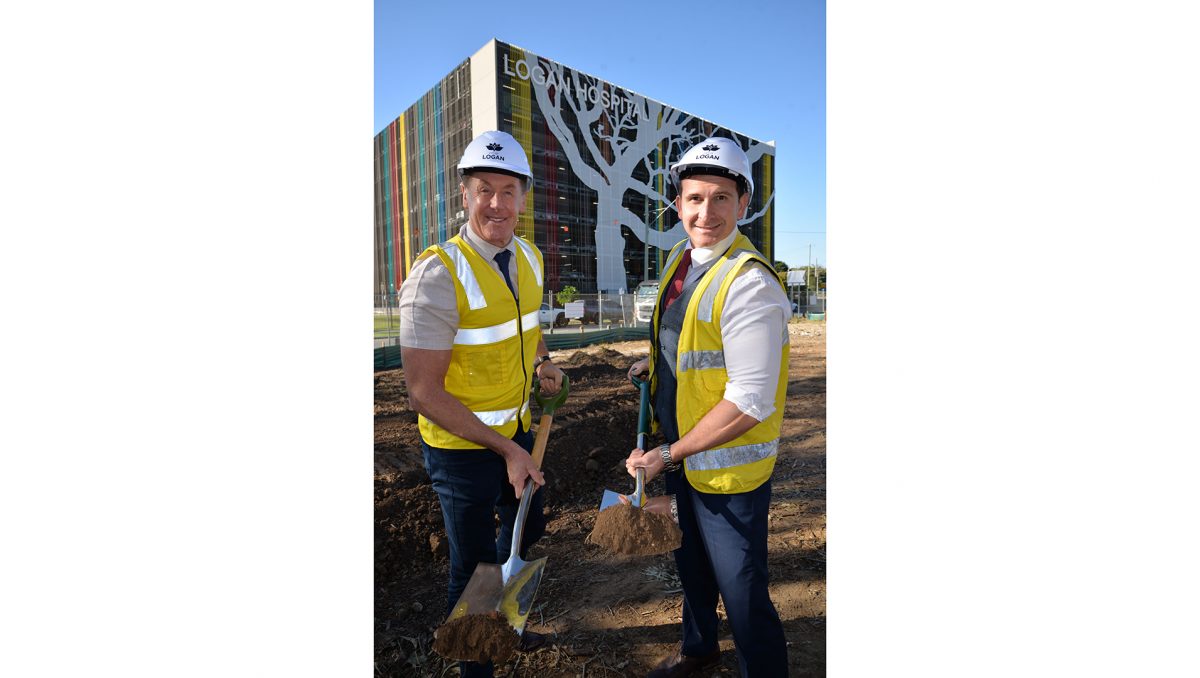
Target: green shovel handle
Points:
(551, 403)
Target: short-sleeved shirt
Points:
(428, 305)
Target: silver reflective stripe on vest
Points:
(476, 336)
(529, 321)
(502, 417)
(486, 335)
(710, 293)
(728, 457)
(466, 276)
(527, 250)
(701, 360)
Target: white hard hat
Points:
(715, 155)
(495, 151)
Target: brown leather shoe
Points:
(679, 665)
(531, 641)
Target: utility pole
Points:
(817, 283)
(646, 239)
(807, 288)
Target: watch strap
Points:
(664, 452)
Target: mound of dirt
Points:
(477, 637)
(628, 530)
(583, 366)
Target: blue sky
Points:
(757, 68)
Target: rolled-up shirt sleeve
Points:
(428, 307)
(753, 331)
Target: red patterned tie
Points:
(676, 287)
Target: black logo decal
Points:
(494, 146)
(712, 147)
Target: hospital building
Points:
(598, 209)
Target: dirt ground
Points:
(608, 615)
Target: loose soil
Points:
(477, 637)
(607, 615)
(631, 531)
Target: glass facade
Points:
(599, 155)
(417, 200)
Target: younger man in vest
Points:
(718, 375)
(471, 346)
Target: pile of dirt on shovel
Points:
(628, 530)
(477, 637)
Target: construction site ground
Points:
(607, 615)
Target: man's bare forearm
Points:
(722, 423)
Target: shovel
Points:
(638, 498)
(509, 588)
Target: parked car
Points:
(551, 316)
(609, 311)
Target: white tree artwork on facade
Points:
(629, 129)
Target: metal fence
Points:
(807, 305)
(592, 319)
(587, 312)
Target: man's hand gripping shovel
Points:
(638, 498)
(509, 588)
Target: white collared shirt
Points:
(753, 330)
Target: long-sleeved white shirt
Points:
(753, 330)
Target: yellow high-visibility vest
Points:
(491, 363)
(745, 462)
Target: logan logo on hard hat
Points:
(482, 155)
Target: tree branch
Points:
(759, 213)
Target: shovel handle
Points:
(548, 406)
(551, 403)
(639, 494)
(539, 443)
(643, 407)
(539, 451)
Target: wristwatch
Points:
(665, 452)
(540, 359)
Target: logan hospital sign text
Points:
(622, 105)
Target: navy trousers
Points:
(724, 552)
(472, 487)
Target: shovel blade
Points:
(487, 591)
(516, 598)
(482, 594)
(611, 498)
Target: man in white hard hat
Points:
(718, 377)
(471, 346)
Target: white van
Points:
(643, 300)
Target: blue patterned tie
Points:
(502, 258)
